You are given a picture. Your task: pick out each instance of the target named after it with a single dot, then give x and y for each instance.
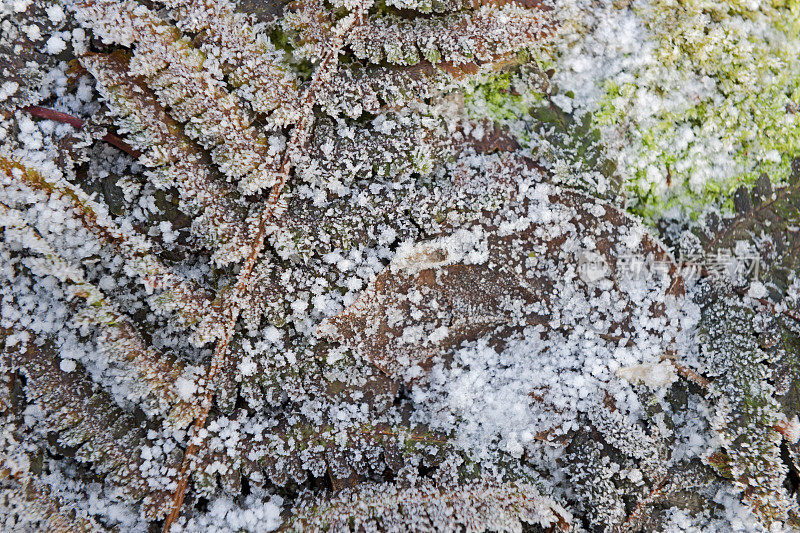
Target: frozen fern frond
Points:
(149, 376)
(401, 55)
(90, 222)
(92, 429)
(476, 35)
(246, 55)
(239, 448)
(486, 34)
(179, 162)
(479, 505)
(739, 353)
(189, 82)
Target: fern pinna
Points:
(302, 287)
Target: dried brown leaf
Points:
(500, 274)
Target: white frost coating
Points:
(185, 388)
(541, 385)
(757, 290)
(520, 399)
(20, 6)
(67, 365)
(618, 44)
(55, 45)
(260, 513)
(533, 391)
(8, 89)
(55, 13)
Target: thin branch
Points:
(641, 506)
(77, 123)
(689, 374)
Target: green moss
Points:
(723, 90)
(433, 55)
(496, 99)
(568, 145)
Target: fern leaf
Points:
(376, 89)
(150, 377)
(27, 502)
(178, 295)
(406, 145)
(444, 6)
(481, 505)
(485, 35)
(221, 223)
(176, 71)
(88, 420)
(158, 376)
(266, 375)
(462, 39)
(247, 57)
(291, 452)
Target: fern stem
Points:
(274, 209)
(77, 123)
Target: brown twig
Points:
(689, 374)
(638, 511)
(77, 123)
